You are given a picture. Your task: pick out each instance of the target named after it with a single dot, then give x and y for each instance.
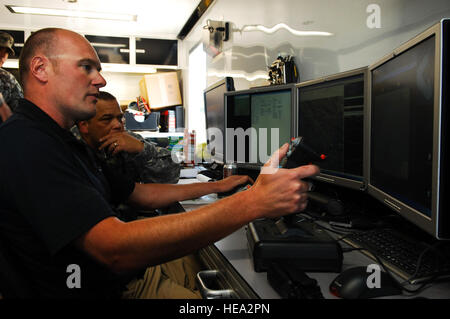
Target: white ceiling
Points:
(155, 18)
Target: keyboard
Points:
(214, 174)
(401, 254)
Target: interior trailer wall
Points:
(363, 31)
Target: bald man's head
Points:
(44, 41)
(41, 41)
(60, 72)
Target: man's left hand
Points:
(227, 184)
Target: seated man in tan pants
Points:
(105, 133)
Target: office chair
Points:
(12, 284)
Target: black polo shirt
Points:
(51, 192)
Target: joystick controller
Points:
(301, 154)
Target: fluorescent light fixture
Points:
(11, 64)
(112, 45)
(107, 45)
(72, 13)
(259, 27)
(128, 50)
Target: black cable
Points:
(378, 259)
(419, 262)
(389, 273)
(346, 231)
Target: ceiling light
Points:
(259, 27)
(71, 13)
(108, 45)
(128, 50)
(11, 64)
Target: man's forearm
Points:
(153, 196)
(129, 246)
(155, 240)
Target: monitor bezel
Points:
(336, 179)
(265, 89)
(217, 157)
(428, 224)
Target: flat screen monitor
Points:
(215, 117)
(332, 112)
(258, 122)
(408, 130)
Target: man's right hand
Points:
(125, 247)
(279, 191)
(116, 142)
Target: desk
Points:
(234, 248)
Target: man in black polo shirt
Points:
(55, 212)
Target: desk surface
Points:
(234, 248)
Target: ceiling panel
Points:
(155, 18)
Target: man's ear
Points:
(39, 68)
(83, 127)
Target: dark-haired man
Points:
(125, 151)
(55, 206)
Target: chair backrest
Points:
(12, 283)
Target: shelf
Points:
(145, 134)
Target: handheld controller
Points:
(301, 154)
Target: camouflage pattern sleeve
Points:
(10, 88)
(154, 164)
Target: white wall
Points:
(247, 54)
(124, 86)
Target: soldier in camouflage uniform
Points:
(125, 151)
(10, 90)
(153, 165)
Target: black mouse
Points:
(352, 284)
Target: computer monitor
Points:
(258, 122)
(408, 131)
(331, 120)
(215, 117)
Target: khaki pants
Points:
(172, 280)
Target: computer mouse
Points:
(352, 284)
